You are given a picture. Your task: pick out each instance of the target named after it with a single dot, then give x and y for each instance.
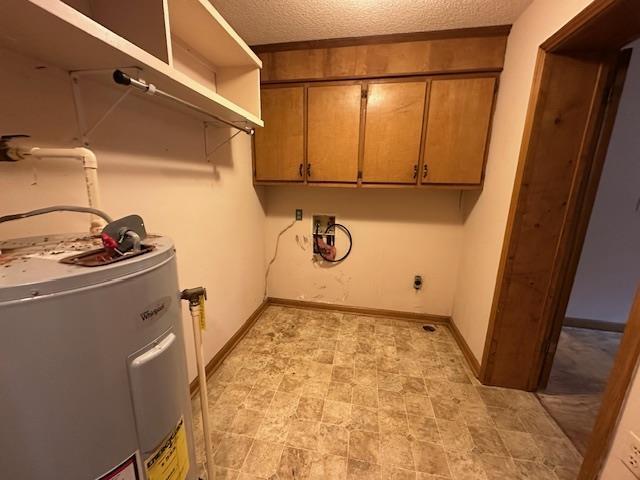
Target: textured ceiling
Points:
(275, 21)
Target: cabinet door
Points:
(458, 119)
(393, 129)
(333, 131)
(279, 146)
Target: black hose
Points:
(343, 228)
(56, 208)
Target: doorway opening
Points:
(570, 120)
(574, 379)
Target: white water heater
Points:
(93, 381)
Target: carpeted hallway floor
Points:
(579, 375)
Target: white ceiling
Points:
(275, 21)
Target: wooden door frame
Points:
(595, 35)
(577, 230)
(566, 107)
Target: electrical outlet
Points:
(631, 454)
(298, 214)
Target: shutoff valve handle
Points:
(193, 295)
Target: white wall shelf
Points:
(80, 35)
(199, 25)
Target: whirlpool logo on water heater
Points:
(155, 310)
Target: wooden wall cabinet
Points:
(420, 53)
(422, 132)
(279, 146)
(393, 130)
(333, 130)
(457, 130)
(403, 111)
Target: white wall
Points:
(629, 421)
(484, 228)
(464, 245)
(396, 235)
(609, 267)
(151, 162)
(487, 215)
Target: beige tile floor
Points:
(324, 395)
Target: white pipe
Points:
(202, 382)
(89, 164)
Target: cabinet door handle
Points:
(415, 171)
(308, 170)
(300, 169)
(425, 170)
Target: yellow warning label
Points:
(203, 321)
(171, 460)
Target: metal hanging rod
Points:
(123, 79)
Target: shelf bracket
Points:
(207, 152)
(84, 129)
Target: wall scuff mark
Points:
(275, 254)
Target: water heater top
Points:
(31, 267)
